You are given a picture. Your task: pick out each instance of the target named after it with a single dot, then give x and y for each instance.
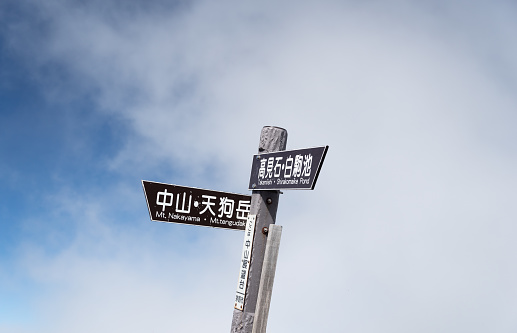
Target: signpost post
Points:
(267, 278)
(273, 169)
(264, 204)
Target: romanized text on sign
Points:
(188, 205)
(290, 169)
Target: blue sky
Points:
(411, 226)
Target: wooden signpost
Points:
(273, 169)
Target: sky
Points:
(411, 226)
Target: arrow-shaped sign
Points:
(287, 170)
(189, 205)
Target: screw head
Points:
(253, 185)
(269, 201)
(265, 230)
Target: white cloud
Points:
(410, 227)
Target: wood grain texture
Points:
(267, 278)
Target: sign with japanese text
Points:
(188, 205)
(289, 169)
(244, 267)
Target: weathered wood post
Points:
(264, 205)
(267, 278)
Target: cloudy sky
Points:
(411, 227)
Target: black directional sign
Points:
(188, 205)
(289, 169)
